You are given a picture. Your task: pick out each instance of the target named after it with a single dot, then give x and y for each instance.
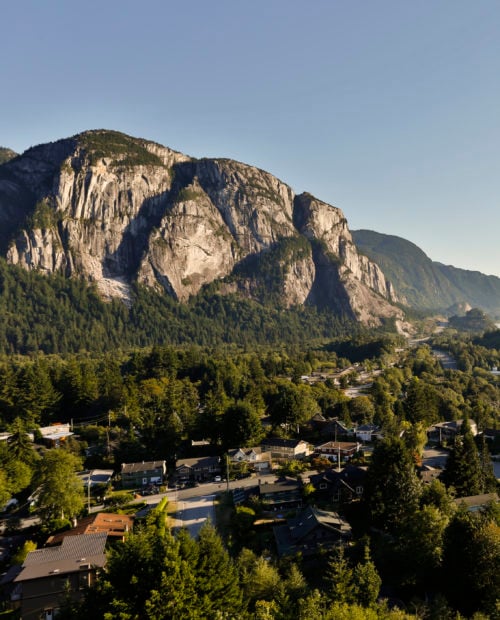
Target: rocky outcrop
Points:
(115, 209)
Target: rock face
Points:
(115, 209)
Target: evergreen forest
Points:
(413, 545)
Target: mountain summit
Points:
(115, 210)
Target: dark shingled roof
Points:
(74, 553)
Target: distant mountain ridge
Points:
(424, 283)
(119, 211)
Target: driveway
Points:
(192, 513)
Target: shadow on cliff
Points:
(134, 245)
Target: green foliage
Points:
(53, 314)
(43, 216)
(187, 194)
(463, 469)
(471, 557)
(268, 269)
(60, 493)
(290, 404)
(475, 320)
(241, 426)
(154, 575)
(392, 487)
(123, 149)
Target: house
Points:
(199, 468)
(338, 450)
(366, 432)
(344, 486)
(136, 475)
(285, 448)
(281, 494)
(428, 473)
(256, 458)
(329, 427)
(48, 574)
(445, 432)
(53, 435)
(116, 527)
(311, 530)
(473, 503)
(95, 478)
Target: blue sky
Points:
(389, 110)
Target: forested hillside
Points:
(426, 284)
(53, 314)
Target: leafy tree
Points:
(60, 494)
(291, 404)
(471, 556)
(22, 552)
(436, 494)
(5, 492)
(241, 426)
(361, 409)
(421, 403)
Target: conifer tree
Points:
(366, 581)
(392, 486)
(339, 584)
(217, 583)
(463, 469)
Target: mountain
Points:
(6, 154)
(425, 284)
(119, 211)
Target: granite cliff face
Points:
(115, 209)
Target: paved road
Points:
(435, 457)
(192, 513)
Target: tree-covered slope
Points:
(424, 283)
(54, 314)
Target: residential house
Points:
(137, 475)
(198, 469)
(286, 448)
(116, 526)
(311, 530)
(366, 432)
(428, 473)
(48, 574)
(338, 450)
(343, 486)
(473, 503)
(281, 494)
(329, 427)
(445, 432)
(55, 434)
(256, 458)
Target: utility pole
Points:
(88, 491)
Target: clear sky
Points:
(389, 110)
